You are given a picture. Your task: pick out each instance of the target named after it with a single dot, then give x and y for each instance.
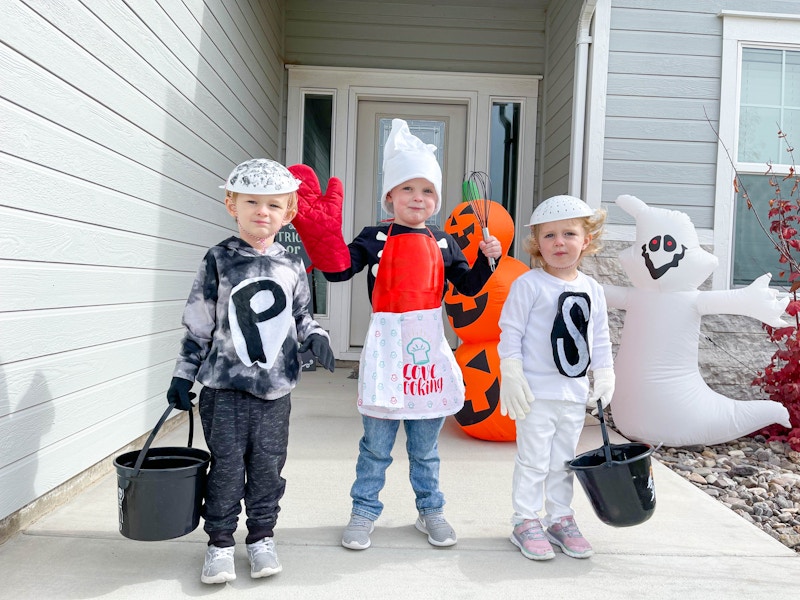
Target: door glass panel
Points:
(317, 142)
(504, 154)
(430, 132)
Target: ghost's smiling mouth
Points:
(655, 273)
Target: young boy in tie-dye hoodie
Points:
(245, 315)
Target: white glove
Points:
(603, 388)
(515, 393)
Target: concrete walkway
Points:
(692, 547)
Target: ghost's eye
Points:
(655, 243)
(669, 243)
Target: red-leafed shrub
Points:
(780, 380)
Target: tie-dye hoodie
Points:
(244, 317)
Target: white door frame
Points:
(348, 86)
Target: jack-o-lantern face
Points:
(480, 417)
(462, 225)
(464, 311)
(465, 229)
(475, 318)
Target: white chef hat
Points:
(405, 157)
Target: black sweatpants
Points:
(247, 438)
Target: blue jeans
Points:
(375, 456)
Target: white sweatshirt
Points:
(559, 329)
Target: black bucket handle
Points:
(607, 445)
(604, 431)
(151, 437)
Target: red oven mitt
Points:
(319, 221)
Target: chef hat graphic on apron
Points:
(405, 157)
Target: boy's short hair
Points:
(291, 205)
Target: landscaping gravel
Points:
(757, 479)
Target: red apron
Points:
(407, 369)
(410, 274)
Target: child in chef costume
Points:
(407, 372)
(554, 329)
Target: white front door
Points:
(444, 126)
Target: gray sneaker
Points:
(438, 529)
(263, 558)
(356, 534)
(218, 566)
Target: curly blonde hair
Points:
(593, 226)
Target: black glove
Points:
(319, 346)
(179, 394)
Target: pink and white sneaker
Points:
(566, 534)
(530, 538)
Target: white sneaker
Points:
(263, 558)
(218, 566)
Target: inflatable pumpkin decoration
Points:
(474, 319)
(480, 417)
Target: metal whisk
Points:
(477, 190)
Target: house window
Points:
(769, 102)
(770, 95)
(759, 95)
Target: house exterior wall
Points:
(557, 98)
(120, 120)
(502, 36)
(663, 89)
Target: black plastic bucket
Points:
(621, 492)
(160, 490)
(618, 479)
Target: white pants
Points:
(546, 441)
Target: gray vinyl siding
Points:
(557, 98)
(663, 99)
(120, 120)
(503, 36)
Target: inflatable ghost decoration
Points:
(660, 396)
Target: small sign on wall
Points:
(290, 239)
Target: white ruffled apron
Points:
(407, 369)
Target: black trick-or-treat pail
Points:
(160, 490)
(622, 492)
